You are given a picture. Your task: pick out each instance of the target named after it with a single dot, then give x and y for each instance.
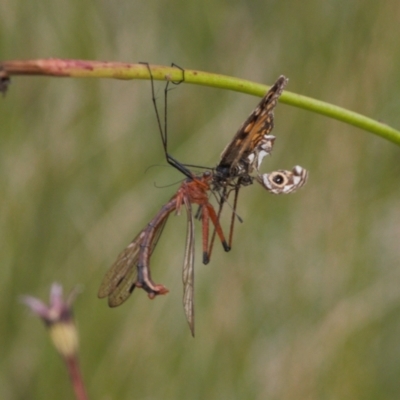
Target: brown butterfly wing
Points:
(259, 123)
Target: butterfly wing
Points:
(282, 181)
(257, 127)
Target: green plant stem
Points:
(117, 70)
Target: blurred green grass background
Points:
(307, 303)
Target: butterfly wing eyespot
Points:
(279, 179)
(283, 181)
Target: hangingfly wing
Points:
(121, 279)
(188, 268)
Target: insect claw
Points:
(4, 81)
(206, 258)
(225, 246)
(132, 288)
(161, 289)
(158, 289)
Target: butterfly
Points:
(245, 153)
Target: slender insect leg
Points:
(170, 159)
(163, 131)
(221, 205)
(233, 217)
(205, 219)
(154, 100)
(209, 213)
(217, 226)
(183, 74)
(166, 90)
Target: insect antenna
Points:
(198, 166)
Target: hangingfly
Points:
(132, 267)
(240, 160)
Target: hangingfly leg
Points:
(163, 131)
